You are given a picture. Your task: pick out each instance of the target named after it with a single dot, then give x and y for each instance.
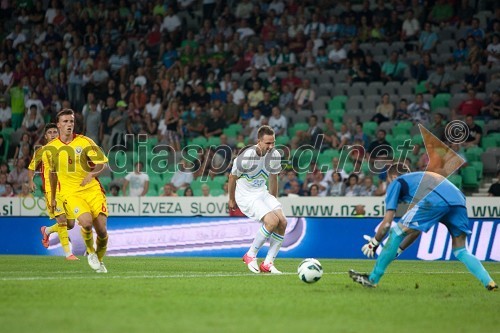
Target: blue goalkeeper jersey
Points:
(424, 189)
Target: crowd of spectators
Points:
(186, 71)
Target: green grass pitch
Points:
(162, 294)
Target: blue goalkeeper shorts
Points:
(423, 218)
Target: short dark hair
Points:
(49, 126)
(398, 169)
(64, 112)
(264, 130)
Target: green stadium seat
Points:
(214, 141)
(456, 180)
(469, 177)
(420, 88)
(488, 141)
(231, 132)
(338, 102)
(369, 128)
(105, 180)
(237, 127)
(348, 167)
(200, 141)
(440, 101)
(282, 140)
(336, 115)
(215, 192)
(478, 165)
(473, 154)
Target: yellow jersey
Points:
(73, 161)
(40, 161)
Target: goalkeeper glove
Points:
(370, 248)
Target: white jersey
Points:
(254, 170)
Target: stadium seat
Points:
(420, 88)
(478, 166)
(488, 141)
(469, 178)
(440, 101)
(338, 102)
(213, 141)
(473, 154)
(336, 115)
(369, 128)
(456, 180)
(282, 140)
(200, 141)
(105, 182)
(215, 192)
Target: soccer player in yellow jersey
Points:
(65, 220)
(75, 162)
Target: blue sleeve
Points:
(392, 195)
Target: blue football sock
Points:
(388, 253)
(473, 265)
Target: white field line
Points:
(183, 276)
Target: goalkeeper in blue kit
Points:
(433, 199)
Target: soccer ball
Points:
(310, 270)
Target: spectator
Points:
(337, 57)
(114, 190)
(367, 189)
(33, 122)
(215, 124)
(278, 122)
(18, 176)
(9, 191)
(205, 191)
(493, 191)
(410, 28)
(379, 145)
(421, 67)
(428, 39)
(310, 137)
(402, 112)
(493, 51)
(169, 191)
(117, 122)
(419, 110)
(439, 81)
(3, 183)
(352, 189)
(254, 124)
(461, 53)
(370, 70)
(393, 69)
(475, 80)
(91, 122)
(384, 111)
(183, 177)
(188, 192)
(492, 109)
(169, 129)
(266, 105)
(5, 114)
(438, 126)
(470, 107)
(304, 97)
(336, 185)
(137, 182)
(475, 31)
(286, 98)
(475, 132)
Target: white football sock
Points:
(274, 247)
(259, 240)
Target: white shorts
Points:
(257, 206)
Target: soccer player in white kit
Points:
(248, 190)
